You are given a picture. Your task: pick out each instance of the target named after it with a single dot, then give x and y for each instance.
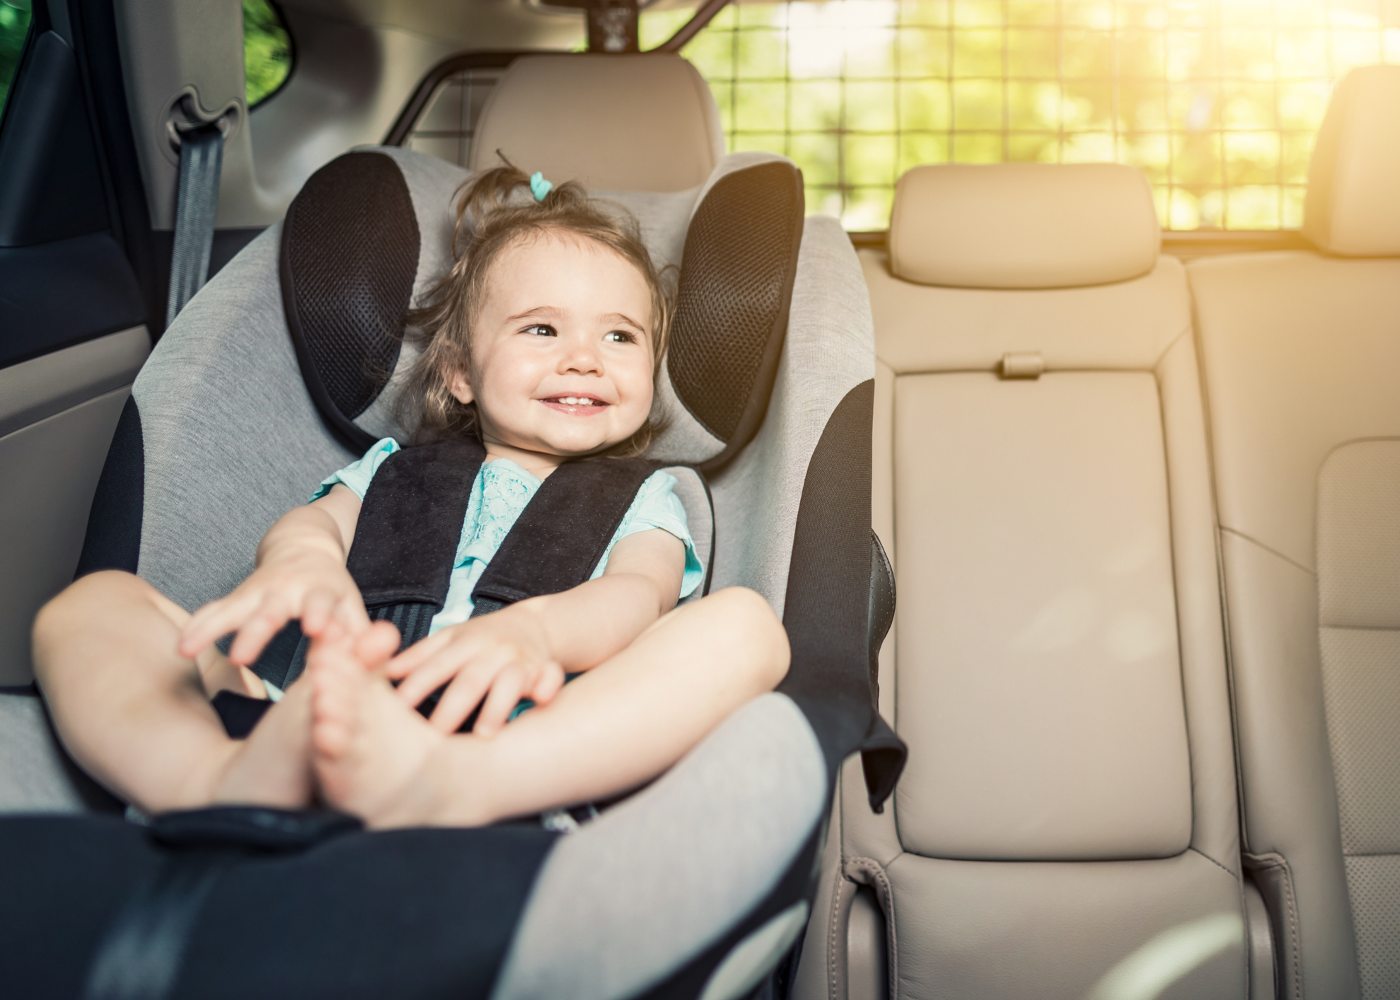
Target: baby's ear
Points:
(461, 388)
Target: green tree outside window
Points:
(267, 50)
(1216, 101)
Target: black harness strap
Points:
(406, 537)
(557, 540)
(562, 533)
(405, 543)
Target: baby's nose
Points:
(582, 358)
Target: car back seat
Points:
(1301, 354)
(1066, 825)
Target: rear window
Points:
(1217, 101)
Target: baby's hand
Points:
(305, 583)
(500, 653)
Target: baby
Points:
(544, 342)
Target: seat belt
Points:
(196, 202)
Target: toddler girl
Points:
(545, 340)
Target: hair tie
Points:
(539, 187)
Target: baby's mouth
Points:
(583, 406)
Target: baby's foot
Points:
(271, 767)
(370, 751)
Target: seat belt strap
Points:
(196, 203)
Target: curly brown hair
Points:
(496, 211)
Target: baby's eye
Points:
(540, 330)
(620, 337)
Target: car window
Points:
(14, 29)
(1217, 101)
(267, 50)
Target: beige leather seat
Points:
(1067, 823)
(619, 123)
(1301, 353)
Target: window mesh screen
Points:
(1216, 100)
(445, 127)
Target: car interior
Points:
(1037, 360)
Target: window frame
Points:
(38, 11)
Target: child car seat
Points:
(697, 884)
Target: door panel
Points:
(73, 329)
(57, 413)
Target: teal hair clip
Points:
(539, 187)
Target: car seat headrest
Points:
(350, 247)
(370, 232)
(626, 123)
(1352, 208)
(1023, 225)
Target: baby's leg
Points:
(136, 715)
(610, 730)
(633, 716)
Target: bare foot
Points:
(271, 767)
(373, 755)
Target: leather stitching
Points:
(1269, 549)
(1290, 905)
(870, 872)
(1176, 338)
(1197, 850)
(1293, 928)
(831, 963)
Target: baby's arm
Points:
(300, 573)
(525, 650)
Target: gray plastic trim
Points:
(43, 386)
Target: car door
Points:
(73, 329)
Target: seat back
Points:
(1067, 818)
(1301, 353)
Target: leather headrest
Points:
(1023, 225)
(1353, 203)
(612, 122)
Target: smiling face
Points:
(561, 351)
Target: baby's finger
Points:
(333, 632)
(418, 654)
(505, 695)
(462, 695)
(316, 611)
(550, 681)
(374, 644)
(271, 615)
(432, 675)
(215, 619)
(350, 611)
